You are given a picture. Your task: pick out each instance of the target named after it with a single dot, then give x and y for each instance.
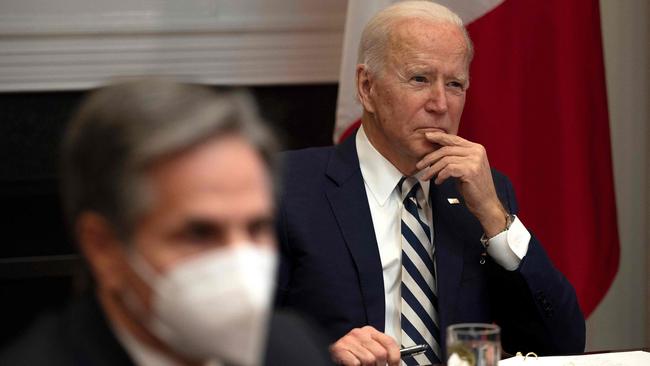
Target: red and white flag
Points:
(348, 109)
(537, 102)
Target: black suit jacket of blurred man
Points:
(81, 336)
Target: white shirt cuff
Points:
(509, 247)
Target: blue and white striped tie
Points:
(419, 291)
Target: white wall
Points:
(77, 44)
(622, 319)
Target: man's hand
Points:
(468, 162)
(365, 346)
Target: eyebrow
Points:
(423, 69)
(417, 68)
(201, 225)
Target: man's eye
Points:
(455, 85)
(419, 79)
(199, 232)
(259, 228)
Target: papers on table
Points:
(633, 358)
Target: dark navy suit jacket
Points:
(331, 269)
(80, 335)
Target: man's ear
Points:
(103, 250)
(365, 88)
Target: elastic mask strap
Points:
(142, 268)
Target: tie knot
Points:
(408, 187)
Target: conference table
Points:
(622, 357)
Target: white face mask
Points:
(214, 306)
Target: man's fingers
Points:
(345, 357)
(365, 346)
(378, 354)
(363, 354)
(349, 352)
(391, 347)
(450, 170)
(445, 139)
(435, 169)
(440, 153)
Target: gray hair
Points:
(377, 32)
(123, 128)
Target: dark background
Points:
(39, 266)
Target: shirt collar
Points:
(379, 174)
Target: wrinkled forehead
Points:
(414, 38)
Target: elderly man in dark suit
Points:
(404, 229)
(168, 190)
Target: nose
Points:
(437, 101)
(237, 235)
(238, 238)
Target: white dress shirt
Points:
(380, 179)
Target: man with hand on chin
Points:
(168, 190)
(404, 229)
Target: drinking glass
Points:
(473, 344)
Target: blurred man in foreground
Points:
(168, 190)
(404, 229)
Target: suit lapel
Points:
(449, 247)
(348, 200)
(90, 335)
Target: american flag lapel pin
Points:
(453, 200)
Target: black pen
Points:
(413, 350)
